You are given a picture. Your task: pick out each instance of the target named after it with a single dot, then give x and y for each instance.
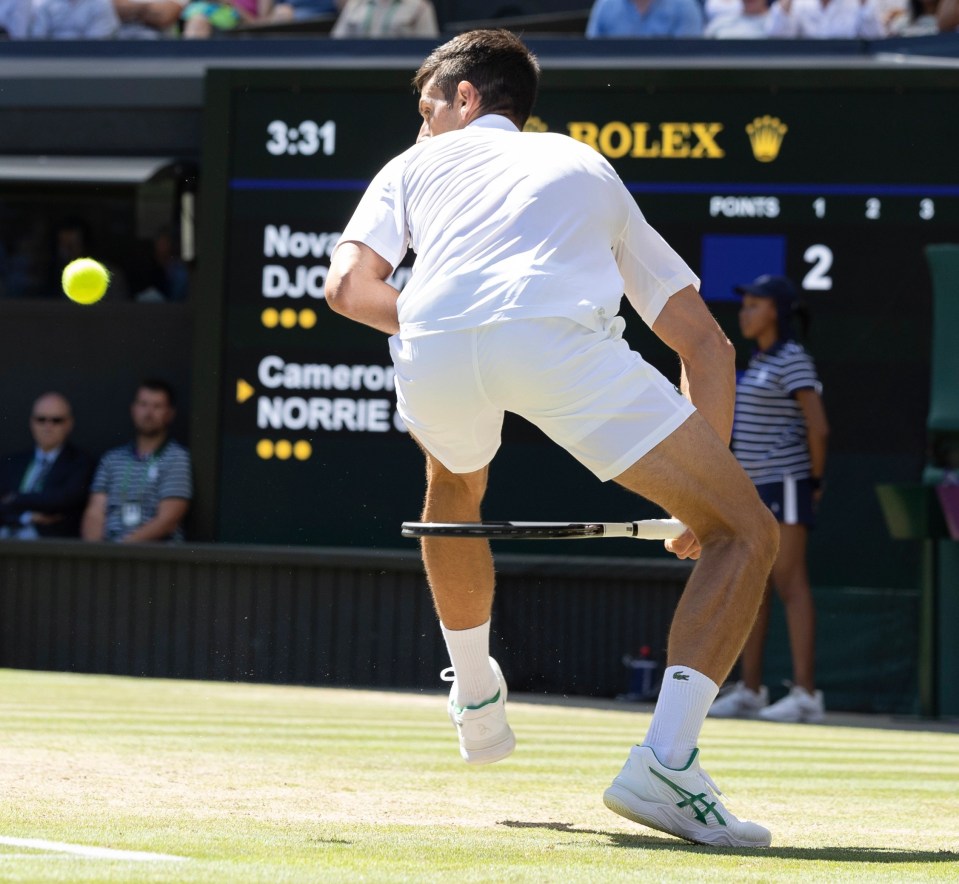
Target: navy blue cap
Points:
(780, 288)
(782, 291)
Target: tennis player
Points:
(525, 245)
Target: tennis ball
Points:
(85, 281)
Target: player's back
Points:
(509, 225)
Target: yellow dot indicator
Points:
(270, 317)
(288, 317)
(264, 449)
(282, 450)
(302, 450)
(307, 318)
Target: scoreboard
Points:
(838, 178)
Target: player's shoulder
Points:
(560, 141)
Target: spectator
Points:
(302, 10)
(166, 277)
(748, 22)
(148, 19)
(779, 436)
(73, 20)
(645, 18)
(43, 491)
(894, 15)
(825, 19)
(947, 15)
(15, 18)
(142, 491)
(386, 18)
(202, 17)
(922, 20)
(713, 9)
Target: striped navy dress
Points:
(769, 430)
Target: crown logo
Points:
(766, 136)
(535, 124)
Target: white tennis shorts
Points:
(585, 389)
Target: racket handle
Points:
(658, 529)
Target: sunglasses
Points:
(48, 419)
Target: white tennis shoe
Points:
(799, 706)
(740, 702)
(684, 802)
(485, 735)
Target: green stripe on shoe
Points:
(492, 699)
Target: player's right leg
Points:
(441, 399)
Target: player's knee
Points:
(760, 534)
(751, 534)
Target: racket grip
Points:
(659, 529)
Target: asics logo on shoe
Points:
(698, 803)
(680, 676)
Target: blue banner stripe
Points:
(717, 188)
(732, 188)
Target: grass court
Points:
(222, 782)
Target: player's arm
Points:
(817, 429)
(356, 287)
(94, 520)
(170, 512)
(707, 357)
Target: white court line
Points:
(91, 852)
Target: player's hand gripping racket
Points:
(647, 529)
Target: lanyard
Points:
(151, 467)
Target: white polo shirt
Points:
(512, 225)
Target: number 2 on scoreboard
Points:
(817, 279)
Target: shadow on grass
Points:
(828, 854)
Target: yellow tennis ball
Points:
(85, 281)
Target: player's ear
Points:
(468, 101)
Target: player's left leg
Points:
(460, 572)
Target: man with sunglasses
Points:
(43, 491)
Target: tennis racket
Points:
(647, 529)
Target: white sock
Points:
(684, 700)
(469, 654)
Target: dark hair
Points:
(496, 62)
(791, 307)
(157, 385)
